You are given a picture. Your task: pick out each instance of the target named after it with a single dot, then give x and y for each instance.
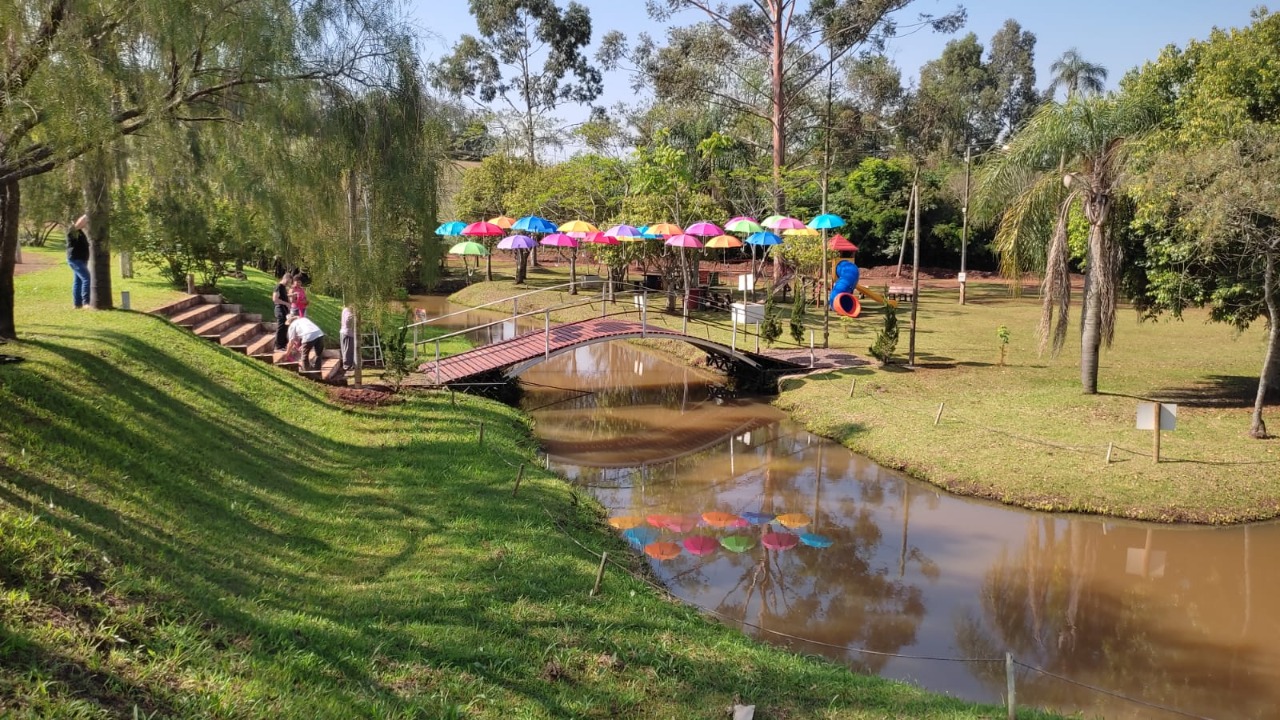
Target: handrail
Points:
(540, 311)
(569, 285)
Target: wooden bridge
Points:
(505, 360)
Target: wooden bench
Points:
(901, 293)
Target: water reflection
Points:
(1181, 617)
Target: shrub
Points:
(887, 339)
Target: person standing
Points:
(308, 336)
(280, 298)
(78, 259)
(347, 340)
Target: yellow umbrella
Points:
(723, 241)
(580, 226)
(503, 222)
(801, 232)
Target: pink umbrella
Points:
(560, 240)
(600, 238)
(739, 219)
(705, 229)
(701, 544)
(486, 229)
(684, 240)
(786, 223)
(779, 541)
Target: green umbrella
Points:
(738, 543)
(468, 248)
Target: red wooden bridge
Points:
(505, 360)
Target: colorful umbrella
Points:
(503, 222)
(640, 536)
(663, 229)
(517, 242)
(684, 240)
(777, 541)
(784, 223)
(826, 221)
(662, 550)
(719, 519)
(581, 226)
(757, 518)
(737, 543)
(560, 240)
(841, 243)
(625, 522)
(800, 232)
(794, 520)
(817, 541)
(483, 229)
(763, 238)
(682, 524)
(623, 231)
(701, 544)
(533, 223)
(600, 238)
(721, 242)
(451, 229)
(468, 248)
(704, 229)
(743, 225)
(659, 521)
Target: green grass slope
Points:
(186, 532)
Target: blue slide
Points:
(842, 298)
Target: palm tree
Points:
(1077, 75)
(1087, 140)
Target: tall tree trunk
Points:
(488, 267)
(778, 115)
(1091, 329)
(522, 265)
(1257, 428)
(97, 202)
(9, 205)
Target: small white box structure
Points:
(746, 283)
(640, 299)
(747, 313)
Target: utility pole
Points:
(915, 271)
(964, 227)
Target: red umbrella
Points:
(483, 229)
(701, 544)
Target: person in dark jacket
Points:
(280, 298)
(78, 259)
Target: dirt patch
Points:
(32, 262)
(366, 396)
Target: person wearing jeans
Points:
(280, 298)
(310, 338)
(78, 259)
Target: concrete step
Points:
(185, 303)
(330, 372)
(231, 308)
(262, 345)
(195, 315)
(240, 335)
(215, 327)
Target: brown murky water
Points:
(917, 584)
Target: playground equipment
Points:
(842, 299)
(845, 285)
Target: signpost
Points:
(1156, 417)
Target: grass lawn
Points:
(187, 532)
(1023, 433)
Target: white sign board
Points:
(747, 313)
(1168, 416)
(960, 277)
(746, 282)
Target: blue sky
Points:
(1119, 34)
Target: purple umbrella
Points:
(517, 242)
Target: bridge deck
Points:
(505, 354)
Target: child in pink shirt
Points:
(298, 298)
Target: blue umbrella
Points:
(763, 238)
(451, 229)
(826, 221)
(640, 536)
(533, 223)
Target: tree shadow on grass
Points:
(1217, 391)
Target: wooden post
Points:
(604, 556)
(852, 386)
(453, 401)
(191, 284)
(1155, 433)
(481, 433)
(519, 477)
(1110, 446)
(1009, 686)
(938, 417)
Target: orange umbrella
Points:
(625, 522)
(581, 226)
(794, 520)
(664, 229)
(723, 241)
(662, 550)
(719, 519)
(503, 222)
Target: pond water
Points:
(916, 584)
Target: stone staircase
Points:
(213, 319)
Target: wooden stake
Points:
(482, 433)
(852, 386)
(1110, 447)
(519, 477)
(1009, 686)
(938, 417)
(604, 556)
(1155, 434)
